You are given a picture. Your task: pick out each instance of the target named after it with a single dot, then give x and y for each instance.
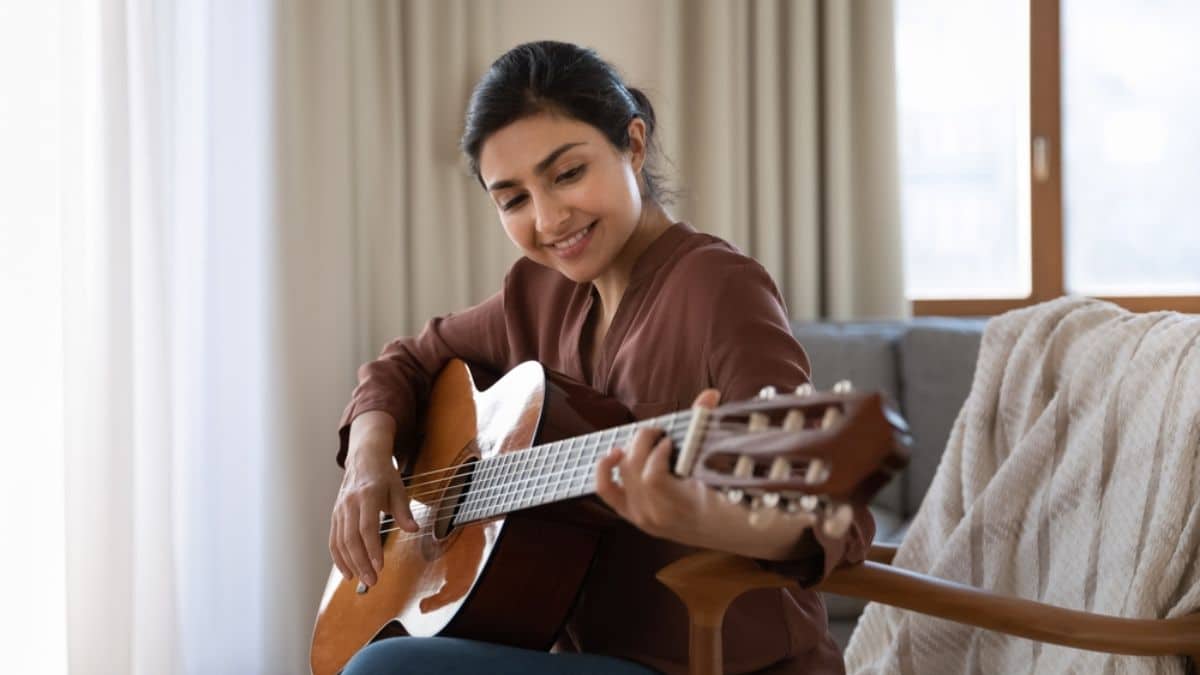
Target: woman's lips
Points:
(579, 243)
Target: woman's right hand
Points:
(371, 485)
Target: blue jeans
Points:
(417, 656)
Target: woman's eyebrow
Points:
(539, 168)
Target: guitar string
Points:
(620, 436)
(543, 482)
(650, 423)
(562, 477)
(545, 461)
(571, 475)
(554, 478)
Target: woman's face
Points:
(566, 197)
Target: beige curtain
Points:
(783, 125)
(778, 118)
(375, 94)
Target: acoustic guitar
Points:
(496, 466)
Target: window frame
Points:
(1046, 218)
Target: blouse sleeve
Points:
(400, 380)
(750, 346)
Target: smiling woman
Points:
(613, 293)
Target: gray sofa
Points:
(925, 365)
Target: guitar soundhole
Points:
(452, 499)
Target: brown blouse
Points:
(697, 313)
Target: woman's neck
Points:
(611, 283)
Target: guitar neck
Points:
(552, 472)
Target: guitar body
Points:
(510, 579)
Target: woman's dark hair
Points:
(563, 79)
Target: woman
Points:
(614, 293)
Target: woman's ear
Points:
(637, 144)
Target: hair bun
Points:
(644, 107)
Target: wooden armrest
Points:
(882, 553)
(1016, 616)
(707, 582)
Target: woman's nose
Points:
(552, 216)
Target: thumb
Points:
(398, 498)
(709, 398)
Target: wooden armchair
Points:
(708, 582)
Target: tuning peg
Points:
(831, 416)
(794, 420)
(805, 389)
(837, 523)
(767, 392)
(780, 469)
(843, 387)
(816, 473)
(744, 467)
(735, 495)
(810, 503)
(770, 499)
(759, 422)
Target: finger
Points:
(643, 443)
(335, 548)
(400, 509)
(343, 552)
(657, 464)
(368, 528)
(355, 549)
(709, 398)
(607, 488)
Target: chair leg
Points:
(706, 583)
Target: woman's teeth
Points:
(575, 239)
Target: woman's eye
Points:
(571, 174)
(514, 202)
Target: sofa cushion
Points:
(865, 354)
(937, 363)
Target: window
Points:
(1061, 158)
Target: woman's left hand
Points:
(684, 509)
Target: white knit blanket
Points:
(1072, 477)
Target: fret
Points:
(550, 481)
(482, 487)
(562, 467)
(512, 474)
(504, 493)
(522, 474)
(545, 460)
(581, 464)
(558, 463)
(470, 505)
(537, 484)
(464, 513)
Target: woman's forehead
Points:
(516, 149)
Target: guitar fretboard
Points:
(552, 472)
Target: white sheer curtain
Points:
(176, 389)
(166, 290)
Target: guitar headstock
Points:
(816, 452)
